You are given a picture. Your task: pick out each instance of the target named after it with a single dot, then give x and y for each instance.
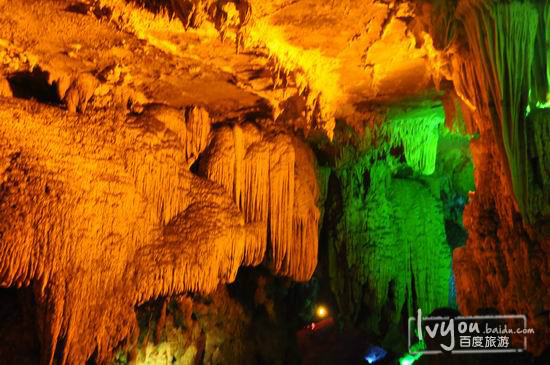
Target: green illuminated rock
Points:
(418, 131)
(504, 74)
(388, 250)
(394, 236)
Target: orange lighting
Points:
(322, 312)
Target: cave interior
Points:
(271, 182)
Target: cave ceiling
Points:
(341, 56)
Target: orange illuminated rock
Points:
(100, 214)
(272, 179)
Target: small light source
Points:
(374, 354)
(322, 311)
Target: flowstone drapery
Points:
(389, 200)
(272, 179)
(502, 73)
(100, 214)
(392, 235)
(417, 130)
(498, 54)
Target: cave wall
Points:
(394, 192)
(497, 56)
(107, 216)
(251, 321)
(505, 261)
(141, 152)
(116, 185)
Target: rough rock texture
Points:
(498, 52)
(388, 250)
(100, 209)
(101, 216)
(101, 203)
(502, 252)
(394, 214)
(77, 214)
(417, 130)
(242, 323)
(272, 178)
(359, 53)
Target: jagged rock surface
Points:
(391, 237)
(273, 180)
(89, 197)
(497, 58)
(101, 216)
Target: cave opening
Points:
(35, 85)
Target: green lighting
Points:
(509, 70)
(539, 105)
(393, 230)
(409, 359)
(417, 129)
(390, 240)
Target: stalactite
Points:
(244, 175)
(505, 46)
(547, 22)
(197, 122)
(262, 173)
(191, 125)
(540, 73)
(281, 200)
(306, 215)
(221, 157)
(101, 216)
(417, 129)
(314, 74)
(500, 70)
(392, 233)
(253, 198)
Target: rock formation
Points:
(100, 214)
(381, 156)
(272, 180)
(498, 52)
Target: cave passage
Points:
(274, 182)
